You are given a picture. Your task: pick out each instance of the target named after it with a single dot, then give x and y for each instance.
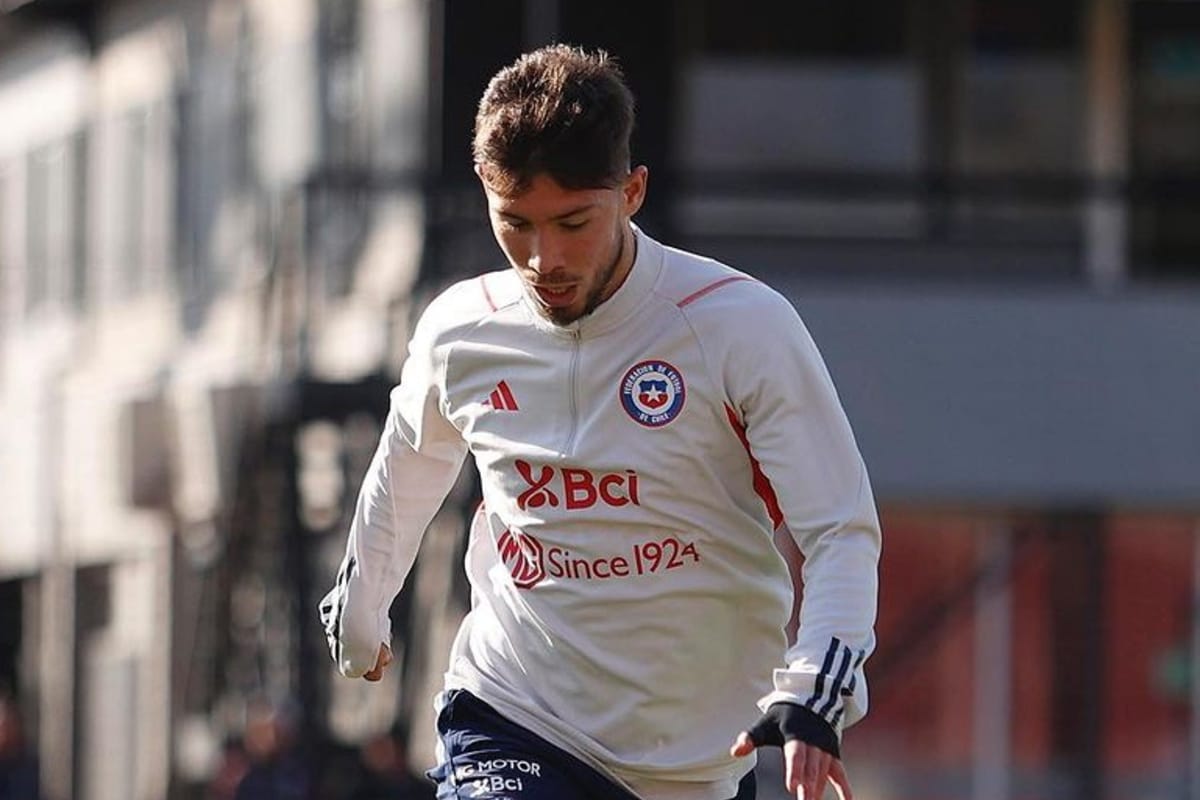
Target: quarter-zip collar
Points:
(615, 311)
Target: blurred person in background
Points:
(276, 769)
(643, 420)
(230, 770)
(18, 765)
(384, 772)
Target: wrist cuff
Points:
(798, 722)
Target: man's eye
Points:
(514, 225)
(574, 225)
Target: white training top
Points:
(628, 603)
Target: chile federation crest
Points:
(652, 393)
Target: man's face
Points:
(571, 247)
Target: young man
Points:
(642, 419)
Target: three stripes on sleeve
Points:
(831, 684)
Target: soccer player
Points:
(642, 419)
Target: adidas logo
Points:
(502, 398)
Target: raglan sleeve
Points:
(414, 466)
(800, 436)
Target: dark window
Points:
(848, 30)
(478, 39)
(10, 636)
(1025, 26)
(1166, 138)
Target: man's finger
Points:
(807, 769)
(742, 746)
(381, 661)
(795, 758)
(816, 772)
(841, 784)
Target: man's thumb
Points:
(742, 746)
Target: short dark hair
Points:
(559, 110)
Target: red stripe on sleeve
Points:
(712, 287)
(486, 294)
(762, 484)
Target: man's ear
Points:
(633, 193)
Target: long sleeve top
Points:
(628, 603)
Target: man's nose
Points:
(545, 255)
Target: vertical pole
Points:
(57, 628)
(56, 709)
(940, 31)
(993, 669)
(1194, 726)
(1106, 215)
(1077, 591)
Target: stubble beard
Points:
(565, 316)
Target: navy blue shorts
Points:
(490, 758)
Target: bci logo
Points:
(575, 488)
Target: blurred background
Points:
(219, 218)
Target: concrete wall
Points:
(1031, 397)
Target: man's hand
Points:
(807, 767)
(381, 661)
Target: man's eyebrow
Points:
(569, 213)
